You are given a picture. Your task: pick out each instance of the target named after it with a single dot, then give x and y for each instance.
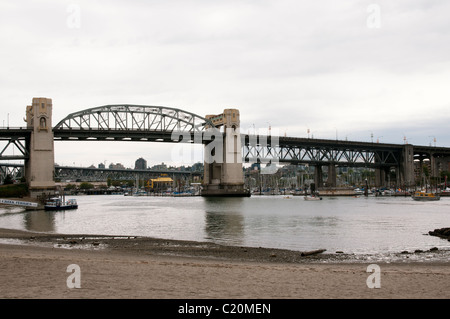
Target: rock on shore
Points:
(441, 232)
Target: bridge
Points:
(92, 174)
(329, 153)
(226, 149)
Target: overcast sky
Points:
(356, 70)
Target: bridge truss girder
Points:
(318, 153)
(65, 173)
(14, 143)
(138, 118)
(96, 174)
(16, 172)
(89, 174)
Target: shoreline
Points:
(34, 266)
(208, 250)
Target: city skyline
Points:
(362, 71)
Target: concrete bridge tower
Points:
(223, 175)
(40, 167)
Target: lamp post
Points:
(434, 140)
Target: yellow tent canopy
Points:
(160, 181)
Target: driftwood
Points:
(313, 252)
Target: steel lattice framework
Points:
(320, 152)
(16, 171)
(129, 122)
(99, 174)
(16, 139)
(90, 174)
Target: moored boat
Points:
(57, 203)
(425, 196)
(312, 197)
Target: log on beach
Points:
(312, 252)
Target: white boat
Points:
(58, 203)
(140, 193)
(312, 197)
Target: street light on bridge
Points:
(434, 140)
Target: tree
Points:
(86, 185)
(8, 180)
(70, 186)
(444, 174)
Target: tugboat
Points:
(59, 203)
(425, 196)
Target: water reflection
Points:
(32, 220)
(224, 220)
(39, 221)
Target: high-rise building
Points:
(140, 163)
(116, 166)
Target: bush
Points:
(14, 190)
(86, 185)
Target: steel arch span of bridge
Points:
(129, 122)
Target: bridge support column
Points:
(407, 175)
(318, 176)
(380, 177)
(440, 164)
(224, 175)
(331, 181)
(40, 167)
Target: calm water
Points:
(352, 225)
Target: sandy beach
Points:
(35, 265)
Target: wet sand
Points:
(34, 265)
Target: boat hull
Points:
(312, 198)
(69, 207)
(426, 199)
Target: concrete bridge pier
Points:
(381, 177)
(223, 172)
(318, 176)
(406, 167)
(331, 181)
(439, 164)
(40, 166)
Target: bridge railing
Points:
(16, 127)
